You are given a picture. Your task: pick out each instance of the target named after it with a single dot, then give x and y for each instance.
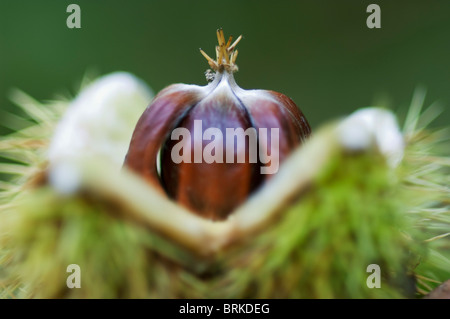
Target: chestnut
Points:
(210, 147)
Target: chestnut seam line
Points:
(180, 119)
(161, 148)
(250, 117)
(260, 180)
(253, 125)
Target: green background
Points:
(320, 53)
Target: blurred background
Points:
(320, 53)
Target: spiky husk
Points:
(355, 212)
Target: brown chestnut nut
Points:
(209, 147)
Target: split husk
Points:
(310, 232)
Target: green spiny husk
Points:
(324, 242)
(425, 174)
(356, 212)
(319, 248)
